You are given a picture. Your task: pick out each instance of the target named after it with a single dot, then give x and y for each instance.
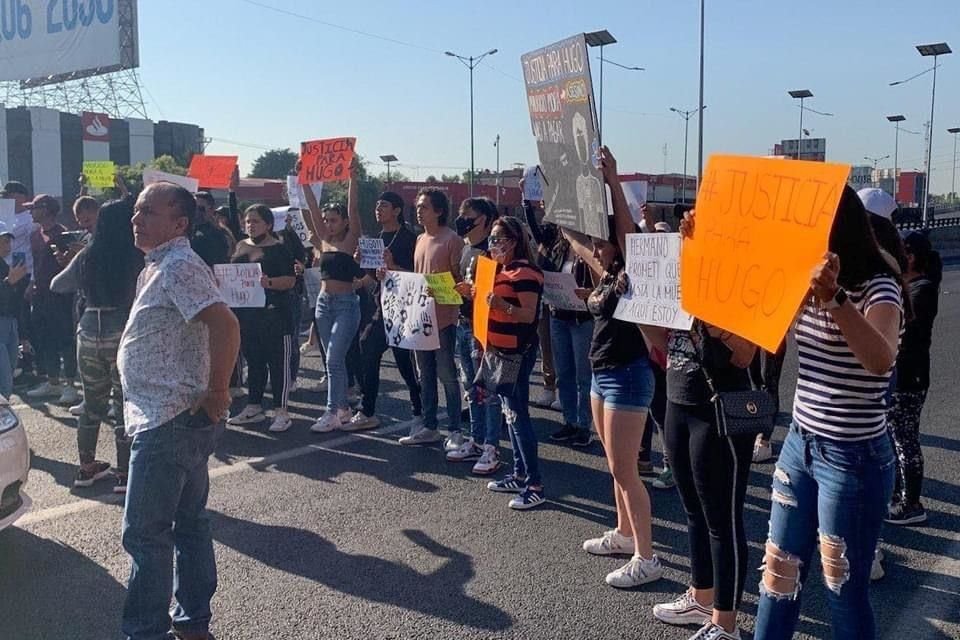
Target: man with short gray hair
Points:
(175, 358)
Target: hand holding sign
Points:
(99, 173)
(213, 172)
(326, 160)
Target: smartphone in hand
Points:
(19, 257)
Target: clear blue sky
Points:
(260, 77)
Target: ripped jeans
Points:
(835, 493)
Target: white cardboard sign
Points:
(151, 176)
(559, 291)
(240, 284)
(653, 297)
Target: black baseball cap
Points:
(395, 200)
(14, 187)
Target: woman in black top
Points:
(621, 392)
(923, 275)
(266, 335)
(105, 274)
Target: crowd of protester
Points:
(114, 304)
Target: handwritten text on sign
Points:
(653, 297)
(371, 253)
(560, 291)
(240, 284)
(409, 314)
(283, 215)
(762, 224)
(326, 160)
(100, 173)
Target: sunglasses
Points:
(498, 240)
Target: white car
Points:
(14, 466)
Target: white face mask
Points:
(497, 252)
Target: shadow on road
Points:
(440, 594)
(82, 600)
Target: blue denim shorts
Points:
(626, 388)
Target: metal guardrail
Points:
(936, 223)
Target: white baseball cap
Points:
(878, 202)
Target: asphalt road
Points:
(353, 536)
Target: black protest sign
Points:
(563, 119)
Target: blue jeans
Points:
(516, 408)
(843, 491)
(625, 388)
(571, 359)
(440, 365)
(485, 415)
(9, 349)
(338, 318)
(165, 515)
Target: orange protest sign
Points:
(326, 160)
(483, 282)
(213, 172)
(762, 224)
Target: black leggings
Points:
(903, 422)
(711, 475)
(373, 344)
(267, 345)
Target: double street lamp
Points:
(686, 115)
(471, 63)
(875, 179)
(953, 180)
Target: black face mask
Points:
(465, 225)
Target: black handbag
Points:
(741, 413)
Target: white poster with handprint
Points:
(409, 313)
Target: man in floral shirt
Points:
(176, 355)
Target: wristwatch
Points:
(838, 300)
(509, 309)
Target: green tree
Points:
(133, 174)
(276, 163)
(451, 178)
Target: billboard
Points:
(47, 41)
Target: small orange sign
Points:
(213, 172)
(483, 282)
(761, 226)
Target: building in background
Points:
(45, 149)
(910, 188)
(861, 177)
(810, 149)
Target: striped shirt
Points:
(836, 397)
(504, 331)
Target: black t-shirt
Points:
(615, 343)
(11, 295)
(211, 244)
(686, 383)
(913, 359)
(468, 268)
(276, 261)
(400, 243)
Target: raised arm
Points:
(314, 217)
(580, 244)
(621, 211)
(353, 214)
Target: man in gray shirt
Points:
(175, 358)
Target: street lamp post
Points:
(936, 49)
(388, 159)
(953, 179)
(802, 94)
(875, 161)
(496, 143)
(896, 120)
(700, 103)
(686, 115)
(599, 39)
(471, 63)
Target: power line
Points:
(340, 27)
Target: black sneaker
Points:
(565, 434)
(97, 471)
(901, 514)
(583, 438)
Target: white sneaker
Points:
(281, 422)
(69, 397)
(556, 406)
(329, 422)
(467, 451)
(611, 543)
(77, 409)
(422, 436)
(762, 451)
(636, 572)
(344, 416)
(710, 631)
(682, 611)
(249, 415)
(488, 463)
(544, 398)
(876, 569)
(454, 441)
(360, 422)
(45, 390)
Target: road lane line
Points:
(86, 504)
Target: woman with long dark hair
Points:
(834, 477)
(512, 335)
(266, 334)
(105, 272)
(923, 276)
